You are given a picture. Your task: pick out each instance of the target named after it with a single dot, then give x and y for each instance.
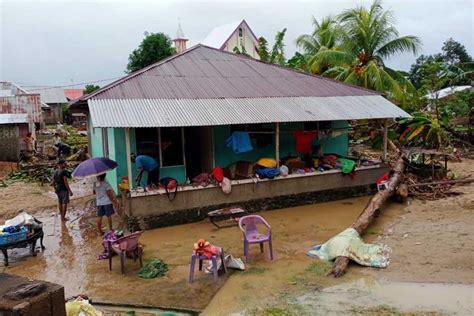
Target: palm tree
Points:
(278, 50)
(369, 38)
(326, 35)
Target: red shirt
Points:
(303, 141)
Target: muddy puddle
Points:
(367, 294)
(71, 254)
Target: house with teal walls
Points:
(182, 110)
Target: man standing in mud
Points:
(61, 187)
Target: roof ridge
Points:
(199, 45)
(293, 69)
(134, 74)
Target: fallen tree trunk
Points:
(371, 211)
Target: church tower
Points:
(180, 40)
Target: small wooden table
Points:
(230, 214)
(30, 241)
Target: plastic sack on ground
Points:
(349, 244)
(230, 263)
(20, 220)
(80, 307)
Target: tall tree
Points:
(298, 61)
(417, 70)
(369, 38)
(326, 35)
(90, 88)
(263, 49)
(153, 48)
(278, 49)
(454, 53)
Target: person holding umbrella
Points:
(105, 195)
(148, 164)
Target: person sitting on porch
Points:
(148, 164)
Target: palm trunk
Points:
(370, 212)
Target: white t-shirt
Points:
(101, 188)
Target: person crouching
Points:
(105, 201)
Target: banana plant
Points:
(426, 131)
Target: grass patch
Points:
(291, 310)
(255, 270)
(297, 279)
(386, 310)
(319, 268)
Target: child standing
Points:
(105, 201)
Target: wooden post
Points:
(385, 138)
(129, 159)
(277, 144)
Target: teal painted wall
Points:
(96, 141)
(224, 156)
(176, 172)
(117, 152)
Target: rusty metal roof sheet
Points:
(209, 112)
(203, 72)
(15, 118)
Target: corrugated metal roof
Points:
(207, 73)
(73, 94)
(209, 112)
(13, 118)
(49, 94)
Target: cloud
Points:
(54, 42)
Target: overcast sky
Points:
(59, 42)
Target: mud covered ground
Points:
(432, 242)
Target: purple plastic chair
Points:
(124, 245)
(248, 226)
(195, 256)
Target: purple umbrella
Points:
(94, 167)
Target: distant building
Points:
(16, 100)
(234, 36)
(55, 98)
(20, 113)
(446, 92)
(13, 129)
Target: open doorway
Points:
(147, 142)
(198, 150)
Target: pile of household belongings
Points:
(19, 228)
(349, 244)
(206, 249)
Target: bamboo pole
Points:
(385, 139)
(129, 159)
(277, 144)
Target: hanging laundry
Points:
(303, 141)
(239, 142)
